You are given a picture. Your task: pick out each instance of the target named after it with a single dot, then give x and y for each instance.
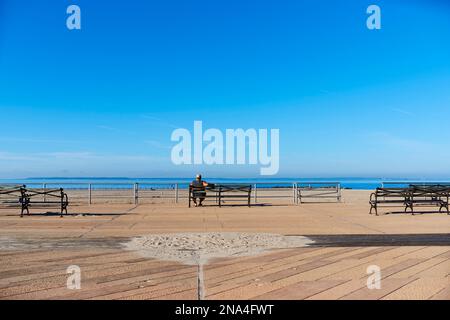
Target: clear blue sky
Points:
(103, 101)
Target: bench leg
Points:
(412, 209)
(373, 207)
(409, 206)
(445, 205)
(63, 210)
(24, 208)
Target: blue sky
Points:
(104, 100)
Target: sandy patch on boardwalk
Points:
(8, 243)
(198, 248)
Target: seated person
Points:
(199, 190)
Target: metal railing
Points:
(176, 191)
(317, 190)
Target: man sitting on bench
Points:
(199, 190)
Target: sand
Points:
(199, 248)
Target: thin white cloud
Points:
(404, 112)
(115, 130)
(157, 144)
(387, 139)
(82, 163)
(36, 140)
(156, 120)
(66, 156)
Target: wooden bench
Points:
(410, 197)
(43, 198)
(318, 191)
(219, 192)
(10, 196)
(388, 197)
(437, 195)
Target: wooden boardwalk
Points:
(307, 273)
(413, 253)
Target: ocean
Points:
(158, 183)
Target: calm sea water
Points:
(156, 183)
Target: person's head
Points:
(198, 177)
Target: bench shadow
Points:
(57, 214)
(319, 202)
(415, 212)
(240, 205)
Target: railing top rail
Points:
(318, 182)
(162, 182)
(415, 182)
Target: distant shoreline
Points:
(182, 183)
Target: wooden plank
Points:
(440, 270)
(220, 277)
(443, 294)
(387, 287)
(420, 289)
(256, 272)
(92, 289)
(340, 290)
(418, 268)
(250, 288)
(300, 290)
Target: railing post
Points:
(136, 193)
(44, 187)
(90, 193)
(255, 194)
(176, 192)
(339, 192)
(299, 193)
(294, 189)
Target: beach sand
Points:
(341, 240)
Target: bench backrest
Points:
(10, 189)
(57, 194)
(430, 190)
(232, 188)
(392, 192)
(223, 188)
(415, 191)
